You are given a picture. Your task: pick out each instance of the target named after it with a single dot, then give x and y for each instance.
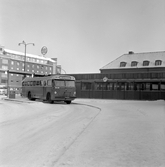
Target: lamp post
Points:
(25, 44)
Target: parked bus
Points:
(50, 88)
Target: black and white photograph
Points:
(82, 83)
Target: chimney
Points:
(130, 52)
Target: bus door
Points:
(44, 84)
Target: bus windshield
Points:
(70, 83)
(60, 83)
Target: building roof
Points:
(27, 54)
(131, 57)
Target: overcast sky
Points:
(84, 35)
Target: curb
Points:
(17, 100)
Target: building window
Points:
(4, 67)
(155, 86)
(3, 81)
(18, 63)
(86, 86)
(162, 86)
(123, 64)
(158, 62)
(4, 61)
(134, 63)
(12, 56)
(12, 62)
(4, 75)
(146, 63)
(109, 86)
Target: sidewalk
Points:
(17, 98)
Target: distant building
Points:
(134, 76)
(136, 62)
(13, 60)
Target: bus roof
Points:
(55, 76)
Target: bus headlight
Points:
(74, 93)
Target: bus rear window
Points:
(70, 83)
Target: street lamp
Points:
(25, 44)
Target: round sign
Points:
(105, 79)
(44, 50)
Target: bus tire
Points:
(48, 98)
(67, 102)
(30, 96)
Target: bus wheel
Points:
(67, 102)
(30, 96)
(48, 98)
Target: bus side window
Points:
(34, 83)
(44, 83)
(38, 83)
(49, 82)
